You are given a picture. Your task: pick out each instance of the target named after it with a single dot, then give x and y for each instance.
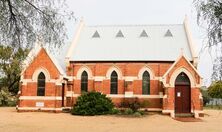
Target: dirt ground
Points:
(11, 121)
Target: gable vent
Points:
(119, 34)
(96, 34)
(143, 34)
(168, 34)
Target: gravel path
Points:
(11, 121)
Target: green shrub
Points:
(128, 111)
(115, 111)
(137, 114)
(92, 103)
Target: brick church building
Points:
(157, 63)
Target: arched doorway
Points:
(182, 94)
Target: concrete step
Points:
(184, 115)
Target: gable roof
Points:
(34, 52)
(133, 47)
(178, 59)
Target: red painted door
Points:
(182, 99)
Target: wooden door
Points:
(182, 99)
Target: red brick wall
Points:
(42, 60)
(127, 69)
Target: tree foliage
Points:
(209, 13)
(24, 21)
(10, 67)
(217, 69)
(215, 90)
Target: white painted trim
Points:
(171, 112)
(99, 78)
(40, 98)
(115, 95)
(128, 94)
(81, 70)
(75, 39)
(148, 96)
(154, 109)
(38, 71)
(149, 70)
(177, 60)
(34, 51)
(39, 108)
(177, 72)
(114, 68)
(55, 62)
(189, 37)
(69, 93)
(130, 78)
(187, 72)
(124, 96)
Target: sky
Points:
(130, 12)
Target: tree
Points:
(10, 67)
(217, 69)
(215, 90)
(209, 13)
(23, 21)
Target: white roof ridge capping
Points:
(75, 39)
(190, 40)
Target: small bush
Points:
(134, 104)
(128, 111)
(116, 111)
(92, 103)
(137, 114)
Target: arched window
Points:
(182, 79)
(114, 83)
(146, 83)
(84, 82)
(41, 85)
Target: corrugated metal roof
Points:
(131, 47)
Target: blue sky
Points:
(120, 12)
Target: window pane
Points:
(84, 82)
(146, 83)
(41, 85)
(114, 83)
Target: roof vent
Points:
(143, 34)
(168, 34)
(119, 34)
(96, 35)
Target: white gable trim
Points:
(75, 39)
(81, 70)
(178, 59)
(189, 38)
(56, 63)
(33, 53)
(148, 69)
(185, 71)
(114, 68)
